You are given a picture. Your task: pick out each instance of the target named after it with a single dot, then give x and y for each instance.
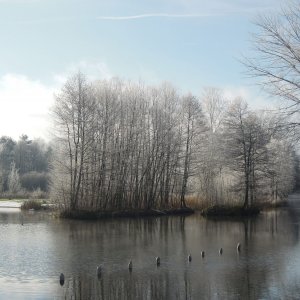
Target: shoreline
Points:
(215, 211)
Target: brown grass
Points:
(196, 203)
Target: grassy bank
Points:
(94, 215)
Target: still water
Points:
(32, 257)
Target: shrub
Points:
(32, 204)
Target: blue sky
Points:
(192, 44)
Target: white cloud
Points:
(24, 106)
(202, 9)
(93, 70)
(25, 103)
(255, 99)
(155, 15)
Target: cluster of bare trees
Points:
(127, 146)
(122, 145)
(259, 149)
(249, 158)
(24, 165)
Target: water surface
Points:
(34, 254)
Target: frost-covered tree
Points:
(123, 145)
(275, 60)
(14, 179)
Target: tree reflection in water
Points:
(267, 267)
(251, 273)
(162, 286)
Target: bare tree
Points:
(276, 59)
(192, 124)
(246, 142)
(73, 113)
(279, 169)
(211, 157)
(214, 106)
(14, 179)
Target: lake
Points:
(33, 255)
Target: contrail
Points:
(155, 15)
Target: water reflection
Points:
(124, 286)
(267, 267)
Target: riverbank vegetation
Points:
(125, 146)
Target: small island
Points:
(114, 155)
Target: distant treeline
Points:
(129, 146)
(24, 165)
